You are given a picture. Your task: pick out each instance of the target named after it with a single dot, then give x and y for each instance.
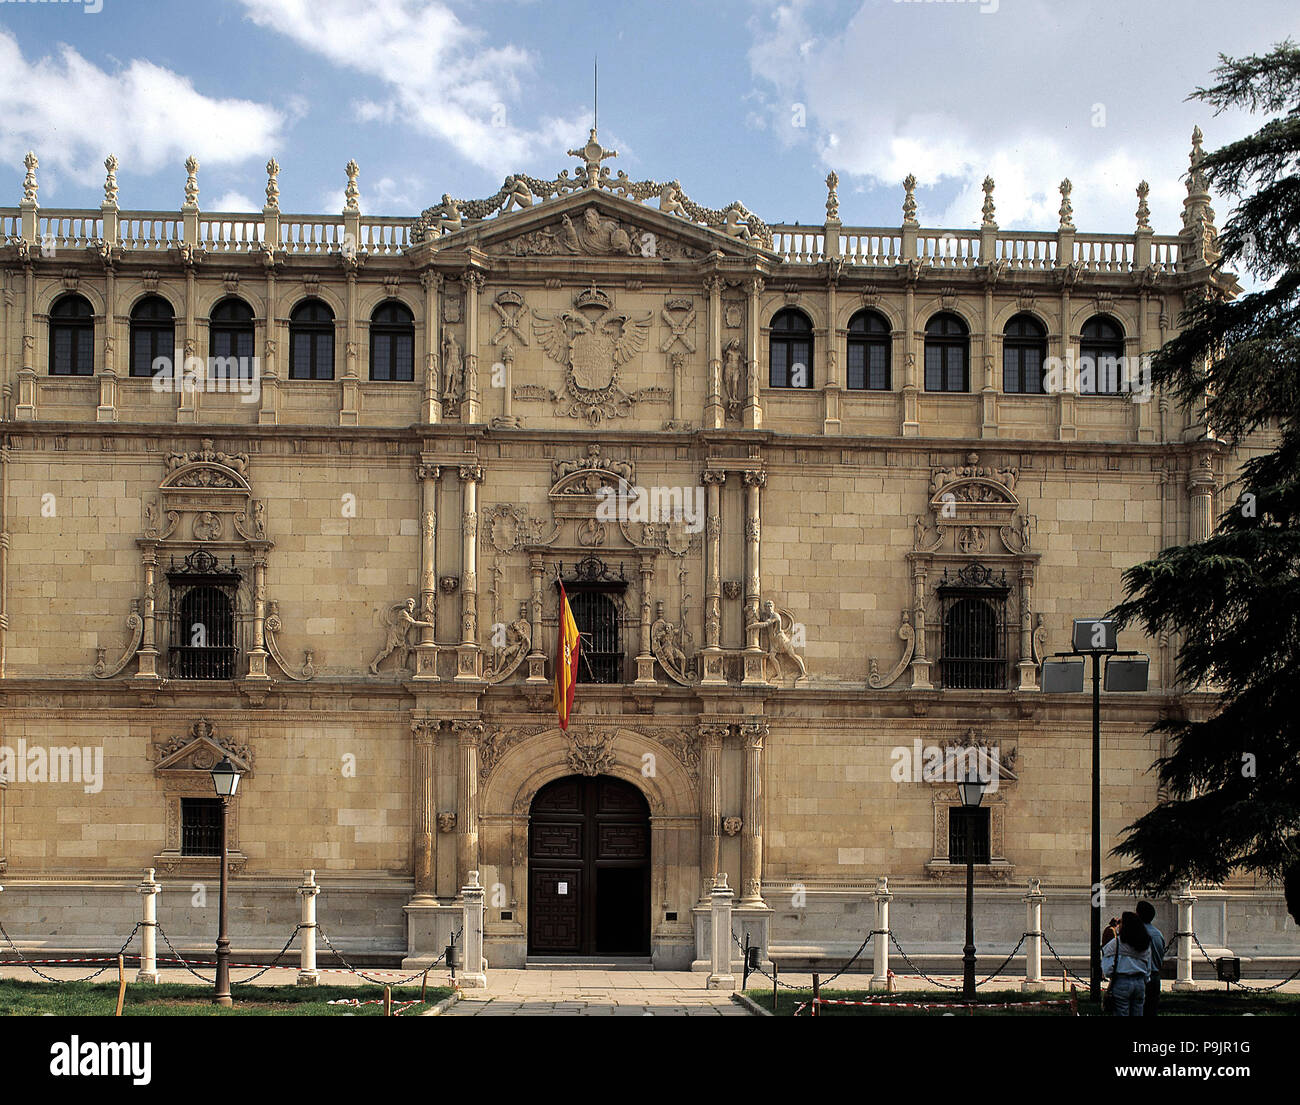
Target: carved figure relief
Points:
(779, 625)
(733, 378)
(400, 621)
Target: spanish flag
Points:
(566, 661)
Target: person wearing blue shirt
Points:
(1147, 912)
(1126, 961)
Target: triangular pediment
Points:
(598, 224)
(200, 749)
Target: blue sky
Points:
(442, 96)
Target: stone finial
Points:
(29, 181)
(1067, 209)
(110, 181)
(1198, 216)
(272, 185)
(832, 197)
(988, 204)
(192, 181)
(909, 200)
(351, 192)
(1143, 211)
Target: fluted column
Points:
(468, 736)
(711, 738)
(1201, 486)
(425, 732)
(753, 412)
(25, 407)
(713, 667)
(426, 651)
(754, 670)
(467, 655)
(752, 735)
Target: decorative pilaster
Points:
(645, 661)
(1201, 487)
(715, 414)
(4, 555)
(268, 413)
(713, 669)
(431, 282)
(834, 370)
(468, 656)
(425, 734)
(752, 735)
(426, 650)
(754, 666)
(468, 736)
(470, 409)
(25, 407)
(257, 654)
(536, 657)
(148, 653)
(350, 390)
(711, 738)
(920, 664)
(1028, 669)
(753, 412)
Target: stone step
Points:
(589, 963)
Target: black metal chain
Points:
(1242, 985)
(269, 966)
(50, 978)
(379, 981)
(1058, 959)
(759, 970)
(1003, 965)
(908, 960)
(181, 959)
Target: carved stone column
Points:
(426, 651)
(713, 668)
(920, 663)
(834, 381)
(507, 419)
(754, 666)
(431, 409)
(350, 392)
(257, 654)
(268, 413)
(467, 654)
(148, 654)
(1028, 669)
(752, 734)
(911, 422)
(1065, 427)
(1201, 486)
(187, 400)
(536, 656)
(711, 738)
(468, 736)
(645, 661)
(4, 550)
(107, 409)
(714, 412)
(470, 409)
(425, 732)
(753, 412)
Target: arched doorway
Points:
(589, 868)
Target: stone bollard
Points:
(1034, 941)
(1185, 900)
(474, 967)
(720, 976)
(308, 975)
(882, 896)
(149, 890)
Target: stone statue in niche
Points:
(452, 367)
(401, 620)
(733, 378)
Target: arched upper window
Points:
(947, 354)
(869, 349)
(392, 342)
(1024, 350)
(311, 341)
(153, 334)
(72, 337)
(790, 350)
(1101, 353)
(230, 340)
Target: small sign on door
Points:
(562, 888)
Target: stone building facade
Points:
(804, 485)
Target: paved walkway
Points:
(596, 993)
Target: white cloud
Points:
(234, 201)
(952, 93)
(437, 73)
(73, 114)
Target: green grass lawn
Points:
(1204, 1003)
(93, 999)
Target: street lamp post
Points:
(1063, 674)
(225, 778)
(972, 793)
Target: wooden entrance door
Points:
(589, 868)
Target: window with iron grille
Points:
(200, 826)
(869, 348)
(596, 598)
(203, 596)
(973, 651)
(968, 835)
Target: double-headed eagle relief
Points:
(593, 341)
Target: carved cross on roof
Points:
(593, 153)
